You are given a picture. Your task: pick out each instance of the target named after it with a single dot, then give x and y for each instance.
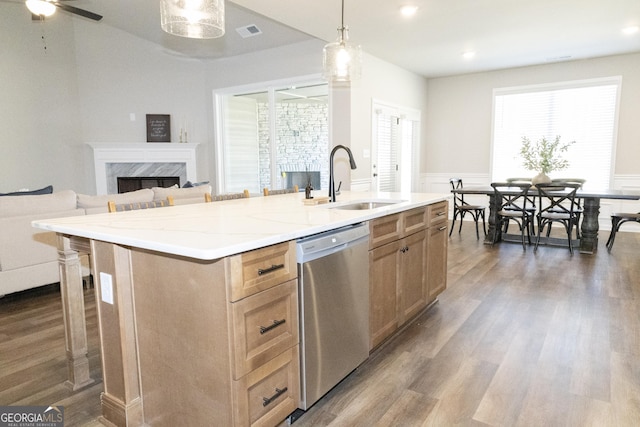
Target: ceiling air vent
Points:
(248, 31)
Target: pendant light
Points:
(196, 19)
(342, 60)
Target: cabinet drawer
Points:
(384, 230)
(263, 326)
(414, 220)
(267, 395)
(438, 212)
(251, 272)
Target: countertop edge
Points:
(90, 226)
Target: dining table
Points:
(590, 205)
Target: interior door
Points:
(394, 148)
(386, 165)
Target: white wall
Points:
(92, 77)
(458, 123)
(39, 126)
(300, 59)
(392, 85)
(120, 75)
(460, 109)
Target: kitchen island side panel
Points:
(183, 339)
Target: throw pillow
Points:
(45, 190)
(190, 184)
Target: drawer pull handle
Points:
(267, 400)
(405, 249)
(444, 227)
(440, 213)
(275, 324)
(273, 267)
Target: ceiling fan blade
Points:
(77, 11)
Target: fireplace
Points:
(301, 178)
(142, 160)
(126, 184)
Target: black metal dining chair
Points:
(511, 205)
(556, 203)
(460, 208)
(577, 205)
(531, 200)
(617, 219)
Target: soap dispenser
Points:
(307, 190)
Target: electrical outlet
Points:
(106, 288)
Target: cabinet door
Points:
(414, 220)
(383, 293)
(413, 291)
(384, 230)
(437, 213)
(251, 272)
(437, 243)
(268, 394)
(263, 326)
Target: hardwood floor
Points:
(517, 339)
(33, 365)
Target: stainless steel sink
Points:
(360, 206)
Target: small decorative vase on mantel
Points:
(541, 178)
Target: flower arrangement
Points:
(544, 156)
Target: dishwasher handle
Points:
(325, 244)
(307, 257)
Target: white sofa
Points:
(29, 256)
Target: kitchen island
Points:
(179, 291)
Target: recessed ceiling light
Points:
(468, 55)
(408, 10)
(631, 30)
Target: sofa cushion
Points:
(45, 190)
(22, 245)
(181, 193)
(36, 204)
(98, 204)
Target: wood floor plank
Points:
(409, 409)
(518, 339)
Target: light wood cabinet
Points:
(264, 334)
(217, 340)
(437, 248)
(413, 290)
(384, 295)
(405, 249)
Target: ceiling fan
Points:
(43, 8)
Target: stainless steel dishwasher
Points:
(333, 274)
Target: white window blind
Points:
(241, 155)
(387, 152)
(584, 112)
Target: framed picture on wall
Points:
(158, 128)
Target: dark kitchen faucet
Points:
(332, 184)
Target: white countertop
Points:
(218, 229)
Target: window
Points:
(272, 136)
(582, 111)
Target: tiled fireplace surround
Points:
(113, 160)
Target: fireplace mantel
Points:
(107, 153)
